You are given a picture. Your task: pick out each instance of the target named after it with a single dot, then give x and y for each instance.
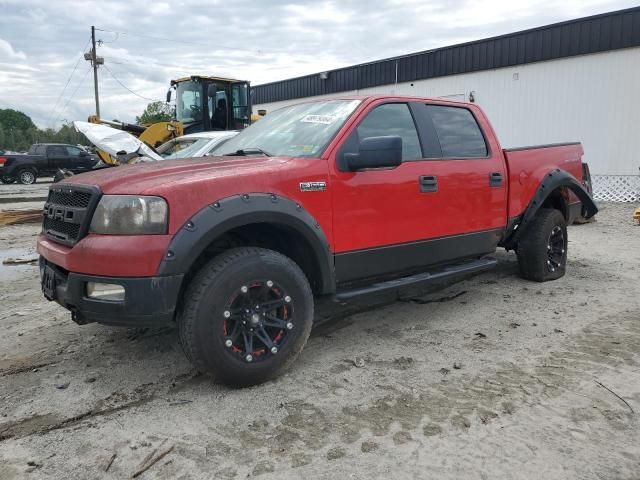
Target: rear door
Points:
(57, 157)
(439, 205)
(470, 171)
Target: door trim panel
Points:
(413, 256)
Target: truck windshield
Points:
(189, 102)
(302, 130)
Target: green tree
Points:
(154, 113)
(13, 119)
(18, 132)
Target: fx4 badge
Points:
(313, 186)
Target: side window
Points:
(57, 151)
(216, 145)
(393, 119)
(41, 150)
(458, 132)
(73, 151)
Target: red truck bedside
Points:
(335, 197)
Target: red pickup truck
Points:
(334, 197)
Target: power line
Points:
(127, 88)
(154, 63)
(72, 95)
(173, 40)
(67, 84)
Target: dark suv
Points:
(45, 159)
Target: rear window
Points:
(458, 132)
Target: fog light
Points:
(105, 291)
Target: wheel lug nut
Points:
(274, 350)
(289, 325)
(287, 299)
(249, 358)
(228, 343)
(244, 289)
(227, 314)
(269, 283)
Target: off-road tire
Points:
(7, 180)
(27, 176)
(533, 249)
(201, 314)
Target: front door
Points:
(436, 206)
(78, 160)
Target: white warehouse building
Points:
(571, 81)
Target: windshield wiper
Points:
(244, 152)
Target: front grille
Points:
(60, 229)
(70, 199)
(67, 213)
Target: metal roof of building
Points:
(594, 34)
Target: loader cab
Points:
(211, 104)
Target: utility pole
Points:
(95, 61)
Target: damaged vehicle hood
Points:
(115, 142)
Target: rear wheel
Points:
(542, 251)
(246, 316)
(27, 176)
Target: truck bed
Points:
(527, 167)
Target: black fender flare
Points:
(552, 181)
(236, 211)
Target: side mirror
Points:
(376, 152)
(84, 154)
(169, 96)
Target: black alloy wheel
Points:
(257, 320)
(246, 315)
(556, 249)
(542, 250)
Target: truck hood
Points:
(114, 141)
(149, 178)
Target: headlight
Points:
(130, 215)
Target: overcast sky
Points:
(41, 42)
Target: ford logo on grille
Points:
(55, 212)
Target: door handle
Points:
(428, 183)
(495, 179)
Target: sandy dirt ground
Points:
(494, 377)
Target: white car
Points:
(194, 144)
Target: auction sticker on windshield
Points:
(324, 119)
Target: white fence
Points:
(616, 188)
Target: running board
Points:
(447, 273)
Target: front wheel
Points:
(27, 176)
(246, 316)
(542, 251)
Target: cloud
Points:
(146, 43)
(8, 53)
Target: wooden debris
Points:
(113, 457)
(15, 217)
(150, 461)
(19, 261)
